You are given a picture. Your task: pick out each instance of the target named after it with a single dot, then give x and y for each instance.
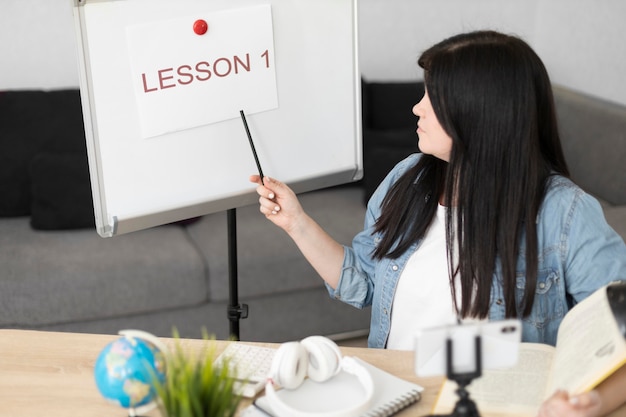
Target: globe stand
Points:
(465, 406)
(139, 411)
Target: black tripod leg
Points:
(465, 406)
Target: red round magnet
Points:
(200, 27)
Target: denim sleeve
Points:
(594, 254)
(355, 287)
(356, 282)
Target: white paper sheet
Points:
(183, 79)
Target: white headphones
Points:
(320, 359)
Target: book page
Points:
(589, 346)
(513, 391)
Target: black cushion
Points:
(382, 150)
(21, 133)
(32, 122)
(389, 127)
(66, 132)
(16, 151)
(61, 192)
(390, 105)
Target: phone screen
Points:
(499, 343)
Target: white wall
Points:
(580, 41)
(393, 33)
(37, 44)
(583, 44)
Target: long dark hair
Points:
(492, 95)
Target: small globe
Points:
(126, 369)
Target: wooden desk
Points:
(49, 374)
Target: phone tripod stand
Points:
(465, 406)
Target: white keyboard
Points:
(253, 366)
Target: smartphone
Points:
(499, 343)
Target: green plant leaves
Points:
(194, 386)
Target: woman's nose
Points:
(416, 109)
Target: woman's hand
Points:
(278, 203)
(560, 404)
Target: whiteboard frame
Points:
(111, 223)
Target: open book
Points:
(589, 348)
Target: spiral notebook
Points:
(391, 394)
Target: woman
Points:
(484, 224)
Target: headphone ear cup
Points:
(289, 366)
(324, 357)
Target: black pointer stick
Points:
(256, 158)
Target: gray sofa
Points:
(593, 133)
(70, 279)
(176, 275)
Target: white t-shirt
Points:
(423, 296)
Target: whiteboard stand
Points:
(234, 311)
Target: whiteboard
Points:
(161, 102)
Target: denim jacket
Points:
(578, 253)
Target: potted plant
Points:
(194, 386)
